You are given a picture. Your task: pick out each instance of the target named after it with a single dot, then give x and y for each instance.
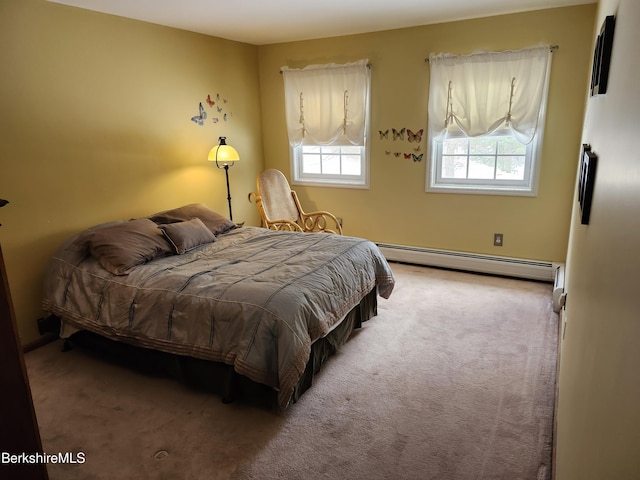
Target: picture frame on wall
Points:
(602, 57)
(586, 182)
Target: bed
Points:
(187, 282)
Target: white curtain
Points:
(327, 104)
(482, 92)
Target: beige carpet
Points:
(454, 379)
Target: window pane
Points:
(481, 167)
(510, 168)
(455, 146)
(352, 150)
(331, 164)
(311, 164)
(509, 144)
(483, 145)
(310, 149)
(351, 164)
(454, 167)
(330, 149)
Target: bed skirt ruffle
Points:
(217, 377)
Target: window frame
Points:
(328, 179)
(526, 187)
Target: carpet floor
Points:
(453, 380)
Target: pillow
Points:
(184, 236)
(213, 221)
(122, 246)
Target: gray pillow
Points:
(215, 222)
(122, 246)
(185, 236)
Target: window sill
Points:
(488, 190)
(330, 183)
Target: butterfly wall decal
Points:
(398, 134)
(407, 155)
(397, 154)
(384, 134)
(209, 101)
(199, 119)
(387, 152)
(415, 137)
(417, 158)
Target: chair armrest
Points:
(284, 225)
(320, 221)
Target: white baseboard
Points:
(472, 262)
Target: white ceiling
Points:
(262, 22)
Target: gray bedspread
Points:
(255, 299)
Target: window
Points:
(486, 118)
(330, 165)
(327, 112)
(496, 163)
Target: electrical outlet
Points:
(497, 239)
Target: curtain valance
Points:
(480, 93)
(327, 104)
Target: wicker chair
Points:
(280, 208)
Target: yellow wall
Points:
(599, 382)
(95, 126)
(396, 208)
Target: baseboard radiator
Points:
(559, 295)
(472, 262)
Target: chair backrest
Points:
(277, 200)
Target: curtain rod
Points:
(368, 66)
(552, 49)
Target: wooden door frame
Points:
(19, 433)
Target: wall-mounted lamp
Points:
(225, 156)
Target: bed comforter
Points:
(255, 299)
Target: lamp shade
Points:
(223, 153)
